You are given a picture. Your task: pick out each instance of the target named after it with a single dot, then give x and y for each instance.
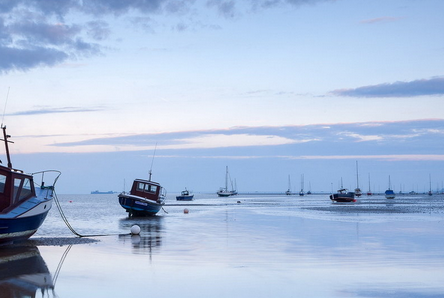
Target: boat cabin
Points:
(15, 187)
(146, 189)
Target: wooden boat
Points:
(389, 193)
(343, 196)
(185, 195)
(24, 203)
(145, 198)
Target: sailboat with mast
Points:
(369, 192)
(430, 187)
(358, 192)
(288, 192)
(223, 191)
(389, 193)
(301, 193)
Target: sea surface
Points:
(244, 246)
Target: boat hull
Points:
(343, 198)
(139, 206)
(389, 194)
(21, 228)
(185, 198)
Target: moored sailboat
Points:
(389, 193)
(223, 191)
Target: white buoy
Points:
(135, 230)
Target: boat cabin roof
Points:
(146, 181)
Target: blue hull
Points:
(184, 198)
(139, 208)
(19, 229)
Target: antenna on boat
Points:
(152, 161)
(4, 109)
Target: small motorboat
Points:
(185, 195)
(24, 203)
(343, 196)
(145, 198)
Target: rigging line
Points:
(4, 109)
(59, 266)
(62, 214)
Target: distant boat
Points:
(185, 195)
(358, 192)
(224, 192)
(24, 203)
(96, 192)
(288, 192)
(343, 196)
(301, 193)
(309, 188)
(369, 192)
(430, 187)
(389, 193)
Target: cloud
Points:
(434, 86)
(54, 111)
(38, 33)
(380, 20)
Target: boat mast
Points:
(5, 139)
(357, 175)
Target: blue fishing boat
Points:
(185, 195)
(145, 198)
(24, 203)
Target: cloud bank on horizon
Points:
(400, 140)
(433, 86)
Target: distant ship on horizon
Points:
(96, 192)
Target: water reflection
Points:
(150, 236)
(23, 273)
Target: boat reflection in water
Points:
(150, 233)
(23, 273)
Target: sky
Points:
(270, 88)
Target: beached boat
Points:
(343, 196)
(145, 198)
(223, 191)
(24, 203)
(430, 187)
(185, 195)
(389, 193)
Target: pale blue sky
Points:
(289, 86)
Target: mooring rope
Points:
(62, 214)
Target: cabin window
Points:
(2, 183)
(140, 186)
(22, 189)
(153, 188)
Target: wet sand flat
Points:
(248, 246)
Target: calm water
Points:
(264, 246)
